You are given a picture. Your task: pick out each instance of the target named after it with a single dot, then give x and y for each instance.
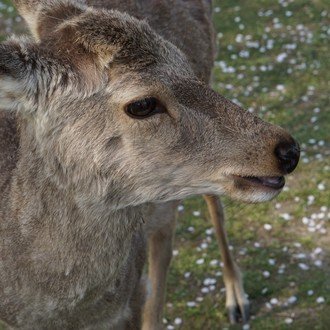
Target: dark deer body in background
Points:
(103, 114)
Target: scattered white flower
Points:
(278, 206)
(310, 292)
(274, 301)
(253, 44)
(204, 245)
(191, 229)
(200, 261)
(286, 216)
(272, 262)
(212, 287)
(175, 253)
(180, 208)
(303, 266)
(191, 304)
(209, 281)
(281, 57)
(270, 44)
(320, 300)
(288, 320)
(268, 227)
(205, 290)
(177, 321)
(239, 38)
(313, 119)
(246, 327)
(305, 220)
(266, 274)
(209, 231)
(292, 299)
(300, 256)
(317, 251)
(244, 53)
(268, 305)
(242, 251)
(196, 213)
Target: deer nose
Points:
(287, 153)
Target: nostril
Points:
(287, 154)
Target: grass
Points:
(291, 92)
(282, 72)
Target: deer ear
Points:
(116, 37)
(108, 34)
(18, 80)
(43, 16)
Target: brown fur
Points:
(74, 187)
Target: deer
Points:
(107, 121)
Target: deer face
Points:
(118, 109)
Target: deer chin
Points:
(262, 182)
(255, 189)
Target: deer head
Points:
(114, 109)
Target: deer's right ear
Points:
(18, 75)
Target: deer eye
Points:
(144, 108)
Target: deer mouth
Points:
(272, 182)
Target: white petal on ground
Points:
(268, 227)
(266, 274)
(320, 300)
(292, 299)
(191, 304)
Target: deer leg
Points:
(160, 238)
(236, 302)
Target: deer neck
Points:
(63, 219)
